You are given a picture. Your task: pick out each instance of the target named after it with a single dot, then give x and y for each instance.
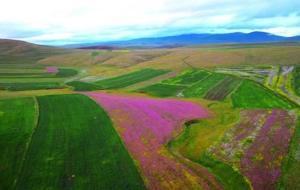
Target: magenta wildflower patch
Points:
(51, 69)
(145, 125)
(257, 145)
(262, 161)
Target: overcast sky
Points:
(74, 21)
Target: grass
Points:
(195, 140)
(30, 86)
(253, 95)
(17, 120)
(223, 89)
(199, 136)
(200, 88)
(230, 178)
(291, 164)
(188, 77)
(162, 90)
(76, 147)
(129, 79)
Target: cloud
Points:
(65, 21)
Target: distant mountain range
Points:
(190, 40)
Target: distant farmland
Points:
(201, 117)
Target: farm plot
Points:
(17, 121)
(257, 145)
(200, 88)
(222, 89)
(30, 86)
(188, 77)
(146, 125)
(163, 90)
(175, 85)
(129, 79)
(253, 95)
(33, 78)
(75, 147)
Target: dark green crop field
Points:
(253, 95)
(75, 146)
(30, 86)
(17, 121)
(129, 79)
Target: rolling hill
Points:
(14, 51)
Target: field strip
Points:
(28, 143)
(150, 81)
(18, 117)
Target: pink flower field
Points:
(262, 161)
(51, 69)
(258, 145)
(146, 125)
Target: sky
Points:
(58, 22)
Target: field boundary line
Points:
(29, 142)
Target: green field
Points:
(30, 86)
(253, 95)
(200, 88)
(17, 121)
(230, 178)
(222, 89)
(162, 90)
(129, 79)
(63, 72)
(188, 77)
(76, 147)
